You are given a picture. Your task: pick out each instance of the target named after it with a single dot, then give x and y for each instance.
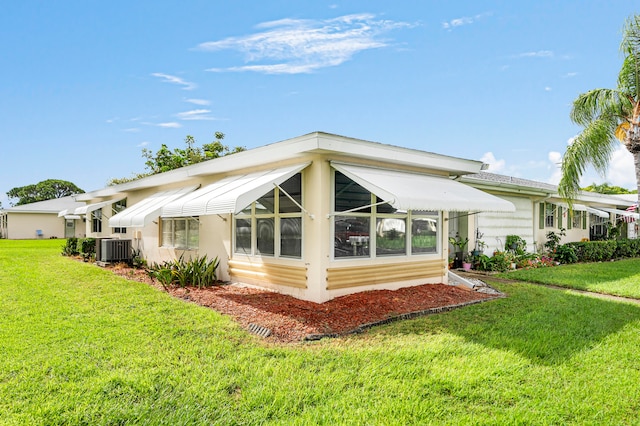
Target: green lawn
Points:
(81, 346)
(620, 278)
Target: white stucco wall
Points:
(21, 226)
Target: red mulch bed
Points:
(291, 319)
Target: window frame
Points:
(191, 243)
(255, 216)
(372, 213)
(96, 221)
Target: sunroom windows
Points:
(365, 226)
(272, 225)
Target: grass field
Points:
(81, 346)
(620, 278)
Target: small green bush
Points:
(199, 271)
(71, 247)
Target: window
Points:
(272, 225)
(577, 219)
(359, 214)
(116, 208)
(96, 220)
(181, 233)
(549, 215)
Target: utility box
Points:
(112, 250)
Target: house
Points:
(539, 210)
(42, 219)
(315, 217)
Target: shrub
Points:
(87, 248)
(566, 253)
(199, 271)
(71, 247)
(516, 243)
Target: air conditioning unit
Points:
(115, 250)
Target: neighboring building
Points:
(42, 220)
(316, 217)
(539, 210)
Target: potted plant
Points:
(459, 245)
(467, 262)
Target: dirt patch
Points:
(289, 319)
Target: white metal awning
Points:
(144, 212)
(63, 212)
(598, 213)
(623, 213)
(95, 206)
(231, 194)
(414, 191)
(72, 216)
(576, 207)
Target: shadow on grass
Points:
(548, 326)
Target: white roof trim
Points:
(144, 212)
(231, 194)
(95, 206)
(413, 191)
(63, 212)
(72, 216)
(598, 213)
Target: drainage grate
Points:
(259, 330)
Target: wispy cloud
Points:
(495, 165)
(195, 114)
(536, 54)
(198, 101)
(465, 20)
(294, 46)
(170, 125)
(570, 74)
(166, 78)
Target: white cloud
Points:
(555, 166)
(537, 54)
(131, 130)
(294, 46)
(170, 125)
(622, 171)
(570, 74)
(495, 166)
(465, 20)
(166, 78)
(547, 89)
(142, 144)
(196, 114)
(198, 101)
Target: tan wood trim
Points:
(350, 276)
(287, 275)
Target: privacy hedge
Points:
(599, 251)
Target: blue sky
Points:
(87, 84)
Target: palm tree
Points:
(608, 116)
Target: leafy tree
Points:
(608, 116)
(605, 188)
(41, 191)
(165, 159)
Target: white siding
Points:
(496, 226)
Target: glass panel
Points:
(390, 236)
(293, 187)
(265, 236)
(265, 204)
(194, 234)
(351, 236)
(349, 195)
(424, 233)
(96, 222)
(384, 208)
(577, 219)
(118, 206)
(180, 233)
(243, 236)
(549, 210)
(291, 237)
(167, 233)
